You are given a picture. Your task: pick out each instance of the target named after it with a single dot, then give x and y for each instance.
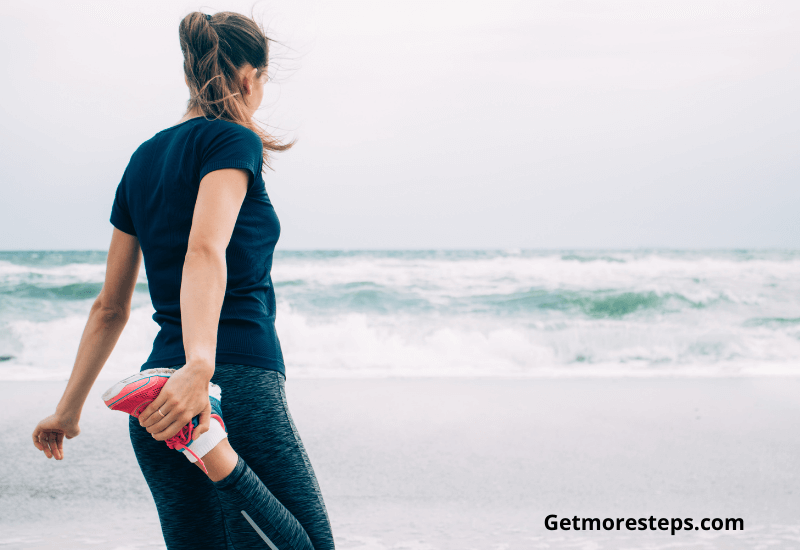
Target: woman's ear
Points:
(249, 79)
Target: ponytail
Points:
(214, 49)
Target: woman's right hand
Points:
(184, 396)
(49, 435)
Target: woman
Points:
(192, 203)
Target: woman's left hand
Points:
(49, 435)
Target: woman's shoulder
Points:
(206, 137)
(142, 152)
(218, 129)
(201, 127)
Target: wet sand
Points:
(439, 464)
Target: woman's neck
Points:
(191, 113)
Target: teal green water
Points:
(458, 312)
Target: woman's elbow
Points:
(205, 253)
(110, 314)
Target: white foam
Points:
(358, 345)
(48, 349)
(712, 336)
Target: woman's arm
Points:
(107, 318)
(185, 395)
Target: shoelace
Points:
(181, 439)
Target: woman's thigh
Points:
(188, 507)
(261, 430)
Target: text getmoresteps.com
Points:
(552, 523)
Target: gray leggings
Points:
(271, 500)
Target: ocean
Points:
(513, 313)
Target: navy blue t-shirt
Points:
(155, 202)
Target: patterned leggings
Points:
(271, 500)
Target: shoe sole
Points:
(129, 385)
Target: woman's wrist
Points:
(201, 367)
(69, 413)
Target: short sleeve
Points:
(230, 145)
(120, 214)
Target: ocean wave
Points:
(368, 297)
(596, 304)
(358, 344)
(773, 322)
(74, 291)
(459, 313)
(71, 291)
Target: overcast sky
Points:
(433, 124)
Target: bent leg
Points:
(262, 432)
(255, 518)
(188, 506)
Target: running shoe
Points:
(133, 394)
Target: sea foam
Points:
(465, 313)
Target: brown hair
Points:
(214, 49)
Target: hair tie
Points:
(208, 17)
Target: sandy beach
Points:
(436, 464)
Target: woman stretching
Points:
(192, 203)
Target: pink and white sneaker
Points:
(133, 394)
